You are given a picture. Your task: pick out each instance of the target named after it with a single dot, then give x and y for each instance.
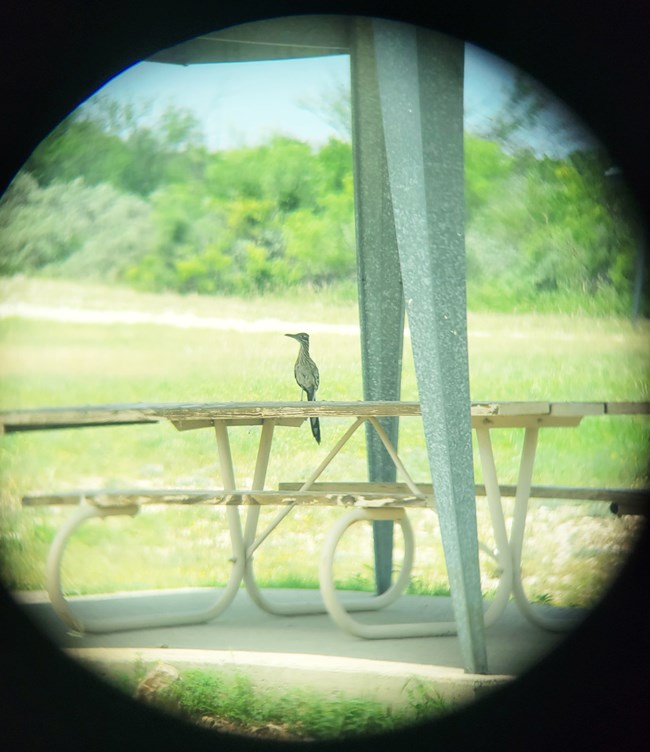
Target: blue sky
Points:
(245, 103)
(237, 103)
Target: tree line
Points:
(107, 197)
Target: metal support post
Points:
(420, 77)
(381, 299)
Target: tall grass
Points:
(571, 550)
(233, 704)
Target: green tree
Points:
(186, 224)
(104, 141)
(576, 242)
(335, 161)
(486, 167)
(284, 171)
(320, 247)
(72, 229)
(552, 230)
(79, 148)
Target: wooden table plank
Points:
(511, 408)
(577, 408)
(627, 408)
(513, 414)
(192, 424)
(526, 421)
(120, 414)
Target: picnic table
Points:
(362, 501)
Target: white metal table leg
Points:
(524, 482)
(55, 559)
(341, 615)
(508, 555)
(503, 555)
(115, 624)
(259, 478)
(392, 453)
(361, 604)
(252, 543)
(509, 552)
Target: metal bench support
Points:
(222, 599)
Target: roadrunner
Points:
(306, 373)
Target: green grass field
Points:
(571, 550)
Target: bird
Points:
(306, 373)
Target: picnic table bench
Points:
(363, 501)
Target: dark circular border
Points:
(593, 691)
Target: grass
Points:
(571, 550)
(231, 703)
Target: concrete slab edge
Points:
(388, 682)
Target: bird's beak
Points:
(293, 336)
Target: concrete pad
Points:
(310, 652)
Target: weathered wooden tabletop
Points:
(189, 415)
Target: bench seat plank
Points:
(578, 493)
(336, 494)
(220, 497)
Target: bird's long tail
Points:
(315, 423)
(315, 428)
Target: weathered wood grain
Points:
(627, 408)
(576, 493)
(337, 494)
(186, 415)
(220, 497)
